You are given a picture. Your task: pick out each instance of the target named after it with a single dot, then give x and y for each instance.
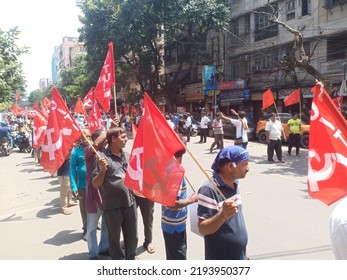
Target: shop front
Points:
(194, 97)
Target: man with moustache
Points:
(221, 220)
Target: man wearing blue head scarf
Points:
(220, 214)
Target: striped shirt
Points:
(230, 240)
(175, 220)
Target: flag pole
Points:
(278, 115)
(115, 101)
(91, 145)
(203, 171)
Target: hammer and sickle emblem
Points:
(330, 161)
(137, 174)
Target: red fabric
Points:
(152, 169)
(106, 80)
(268, 99)
(125, 110)
(89, 99)
(95, 120)
(17, 95)
(79, 107)
(46, 103)
(134, 130)
(327, 176)
(133, 110)
(16, 109)
(62, 131)
(40, 126)
(292, 98)
(338, 102)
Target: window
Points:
(336, 48)
(306, 7)
(264, 28)
(290, 10)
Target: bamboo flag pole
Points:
(91, 145)
(115, 100)
(284, 136)
(203, 171)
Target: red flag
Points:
(134, 130)
(125, 110)
(17, 95)
(268, 99)
(88, 100)
(95, 120)
(46, 103)
(292, 98)
(79, 107)
(327, 176)
(338, 102)
(62, 131)
(152, 169)
(106, 80)
(40, 126)
(133, 110)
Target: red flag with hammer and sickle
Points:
(40, 126)
(106, 80)
(62, 131)
(327, 166)
(152, 169)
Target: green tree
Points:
(74, 81)
(140, 30)
(11, 69)
(36, 95)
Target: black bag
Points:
(238, 141)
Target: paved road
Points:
(283, 222)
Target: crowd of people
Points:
(92, 177)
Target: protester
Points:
(119, 201)
(294, 125)
(173, 221)
(63, 175)
(188, 125)
(241, 124)
(94, 204)
(5, 133)
(78, 173)
(273, 131)
(221, 220)
(203, 127)
(338, 230)
(147, 210)
(170, 122)
(217, 126)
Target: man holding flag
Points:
(119, 201)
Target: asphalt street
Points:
(283, 222)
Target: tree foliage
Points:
(11, 69)
(137, 29)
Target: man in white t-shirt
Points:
(203, 127)
(338, 230)
(188, 125)
(273, 130)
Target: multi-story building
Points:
(64, 54)
(248, 54)
(44, 83)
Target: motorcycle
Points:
(193, 130)
(5, 146)
(23, 142)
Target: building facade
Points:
(249, 56)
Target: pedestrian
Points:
(188, 125)
(78, 174)
(63, 175)
(294, 125)
(94, 204)
(173, 220)
(273, 131)
(217, 126)
(241, 125)
(338, 230)
(147, 210)
(204, 122)
(170, 122)
(221, 220)
(118, 201)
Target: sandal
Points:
(150, 248)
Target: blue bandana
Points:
(234, 153)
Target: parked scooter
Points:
(193, 130)
(5, 146)
(23, 142)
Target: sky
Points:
(43, 24)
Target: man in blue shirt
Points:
(78, 173)
(5, 132)
(220, 214)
